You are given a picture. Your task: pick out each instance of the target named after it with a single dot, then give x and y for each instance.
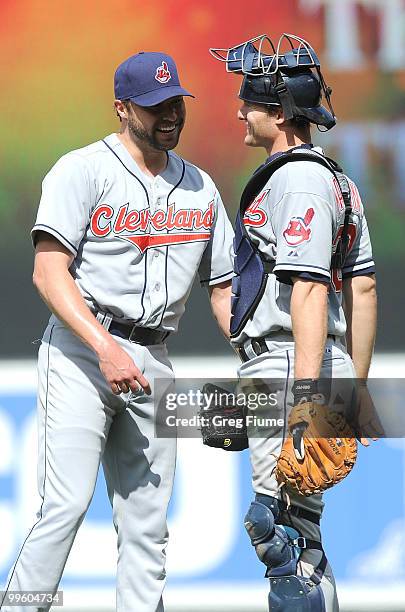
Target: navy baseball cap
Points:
(148, 79)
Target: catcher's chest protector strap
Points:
(251, 269)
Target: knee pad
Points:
(295, 594)
(279, 548)
(276, 545)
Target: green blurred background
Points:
(57, 63)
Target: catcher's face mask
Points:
(291, 77)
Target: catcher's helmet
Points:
(292, 79)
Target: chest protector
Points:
(250, 267)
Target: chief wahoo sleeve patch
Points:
(298, 229)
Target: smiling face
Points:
(159, 126)
(261, 124)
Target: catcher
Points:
(303, 312)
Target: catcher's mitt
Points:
(320, 451)
(223, 425)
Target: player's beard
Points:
(139, 133)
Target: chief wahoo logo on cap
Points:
(163, 73)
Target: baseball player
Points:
(304, 306)
(123, 227)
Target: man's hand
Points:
(58, 289)
(119, 369)
(366, 422)
(360, 306)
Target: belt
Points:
(128, 331)
(259, 345)
(139, 335)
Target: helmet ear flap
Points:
(286, 99)
(305, 89)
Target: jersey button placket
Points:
(156, 268)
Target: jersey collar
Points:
(171, 173)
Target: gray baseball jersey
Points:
(296, 221)
(137, 240)
(137, 244)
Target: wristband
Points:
(303, 389)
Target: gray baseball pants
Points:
(278, 364)
(81, 422)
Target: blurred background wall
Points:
(57, 61)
